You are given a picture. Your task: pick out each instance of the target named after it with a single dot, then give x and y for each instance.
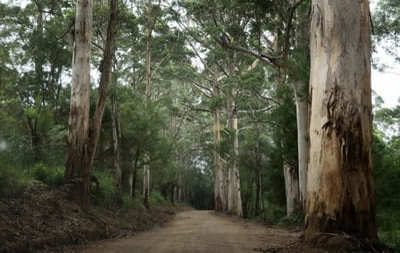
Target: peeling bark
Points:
(340, 190)
(77, 170)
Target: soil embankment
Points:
(44, 220)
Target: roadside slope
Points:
(44, 218)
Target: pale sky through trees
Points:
(385, 83)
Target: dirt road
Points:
(201, 231)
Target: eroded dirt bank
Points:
(43, 220)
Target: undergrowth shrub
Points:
(105, 195)
(129, 203)
(12, 181)
(157, 199)
(294, 220)
(389, 228)
(272, 213)
(53, 177)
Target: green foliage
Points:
(157, 199)
(12, 181)
(273, 214)
(53, 177)
(105, 196)
(130, 203)
(386, 157)
(389, 227)
(201, 187)
(295, 220)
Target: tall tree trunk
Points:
(146, 169)
(236, 207)
(39, 79)
(301, 99)
(219, 189)
(340, 190)
(77, 170)
(105, 80)
(116, 134)
(82, 146)
(291, 176)
(234, 199)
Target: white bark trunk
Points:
(234, 196)
(302, 116)
(340, 191)
(77, 169)
(291, 189)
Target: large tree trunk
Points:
(77, 170)
(301, 99)
(82, 146)
(340, 190)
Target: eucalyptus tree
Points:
(340, 190)
(78, 156)
(84, 131)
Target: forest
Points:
(261, 109)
